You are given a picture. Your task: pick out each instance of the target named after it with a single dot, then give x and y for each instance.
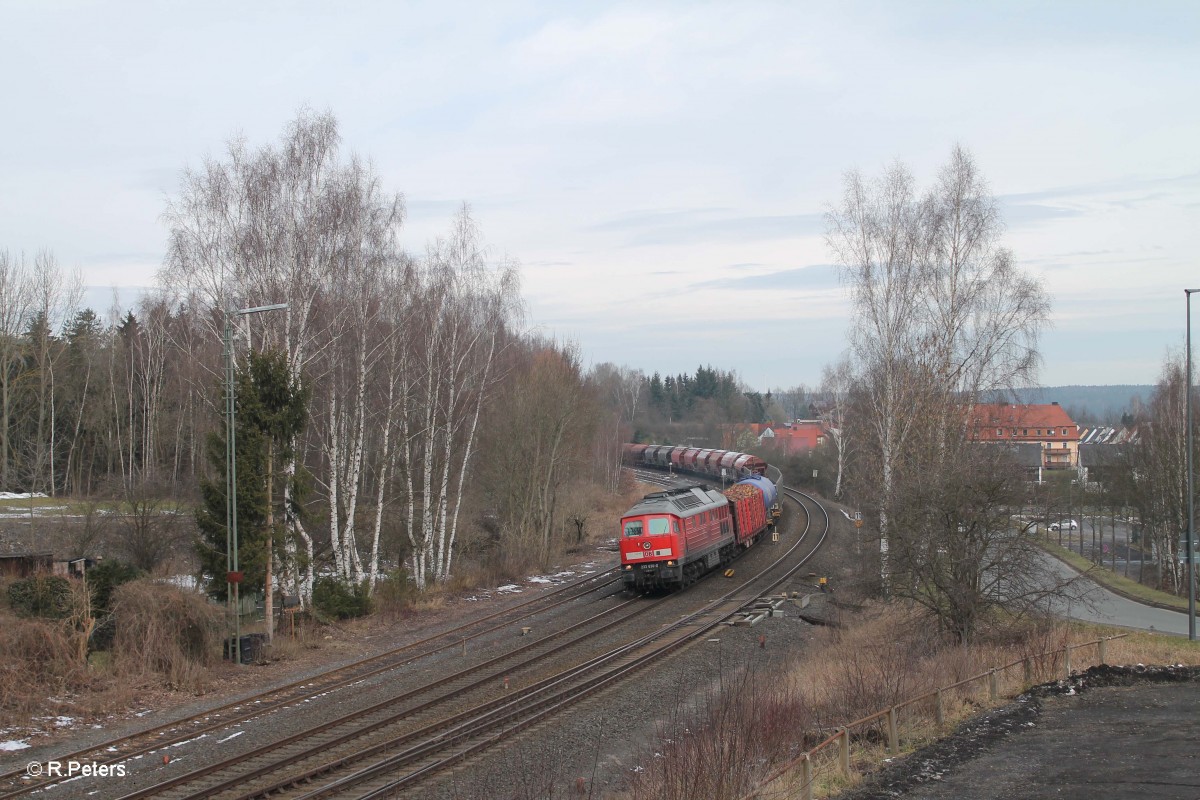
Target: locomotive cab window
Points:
(659, 526)
(633, 527)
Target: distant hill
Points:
(1090, 405)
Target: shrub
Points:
(341, 599)
(38, 659)
(107, 576)
(166, 631)
(43, 595)
(394, 594)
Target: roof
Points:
(1045, 415)
(682, 502)
(1100, 455)
(1108, 435)
(1026, 454)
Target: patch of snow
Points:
(228, 738)
(509, 588)
(13, 744)
(19, 495)
(183, 581)
(538, 579)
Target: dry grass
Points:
(38, 659)
(165, 634)
(884, 657)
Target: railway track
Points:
(394, 747)
(17, 782)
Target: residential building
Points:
(789, 438)
(1046, 425)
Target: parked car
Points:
(1064, 525)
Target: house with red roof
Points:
(797, 436)
(1047, 425)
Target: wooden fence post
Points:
(1103, 654)
(993, 685)
(1067, 662)
(806, 778)
(844, 752)
(1028, 671)
(893, 732)
(941, 711)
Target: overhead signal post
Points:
(233, 575)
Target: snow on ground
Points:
(19, 495)
(13, 744)
(183, 581)
(558, 577)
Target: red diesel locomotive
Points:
(671, 538)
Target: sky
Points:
(661, 171)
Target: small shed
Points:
(23, 565)
(73, 567)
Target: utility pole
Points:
(233, 576)
(1190, 549)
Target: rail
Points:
(806, 761)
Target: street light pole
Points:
(231, 608)
(1191, 520)
(233, 576)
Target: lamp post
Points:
(233, 576)
(1190, 549)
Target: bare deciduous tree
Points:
(941, 315)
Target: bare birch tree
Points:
(836, 383)
(459, 328)
(941, 314)
(280, 225)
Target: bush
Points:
(43, 595)
(394, 594)
(106, 577)
(166, 631)
(341, 599)
(38, 659)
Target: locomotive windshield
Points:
(659, 526)
(653, 526)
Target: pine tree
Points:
(270, 409)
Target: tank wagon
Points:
(694, 459)
(670, 539)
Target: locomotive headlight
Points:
(670, 563)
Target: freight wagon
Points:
(670, 539)
(693, 459)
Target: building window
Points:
(1065, 432)
(1039, 431)
(999, 432)
(1024, 431)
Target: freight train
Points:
(717, 463)
(670, 539)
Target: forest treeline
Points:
(698, 407)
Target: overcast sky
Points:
(661, 170)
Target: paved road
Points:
(1101, 605)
